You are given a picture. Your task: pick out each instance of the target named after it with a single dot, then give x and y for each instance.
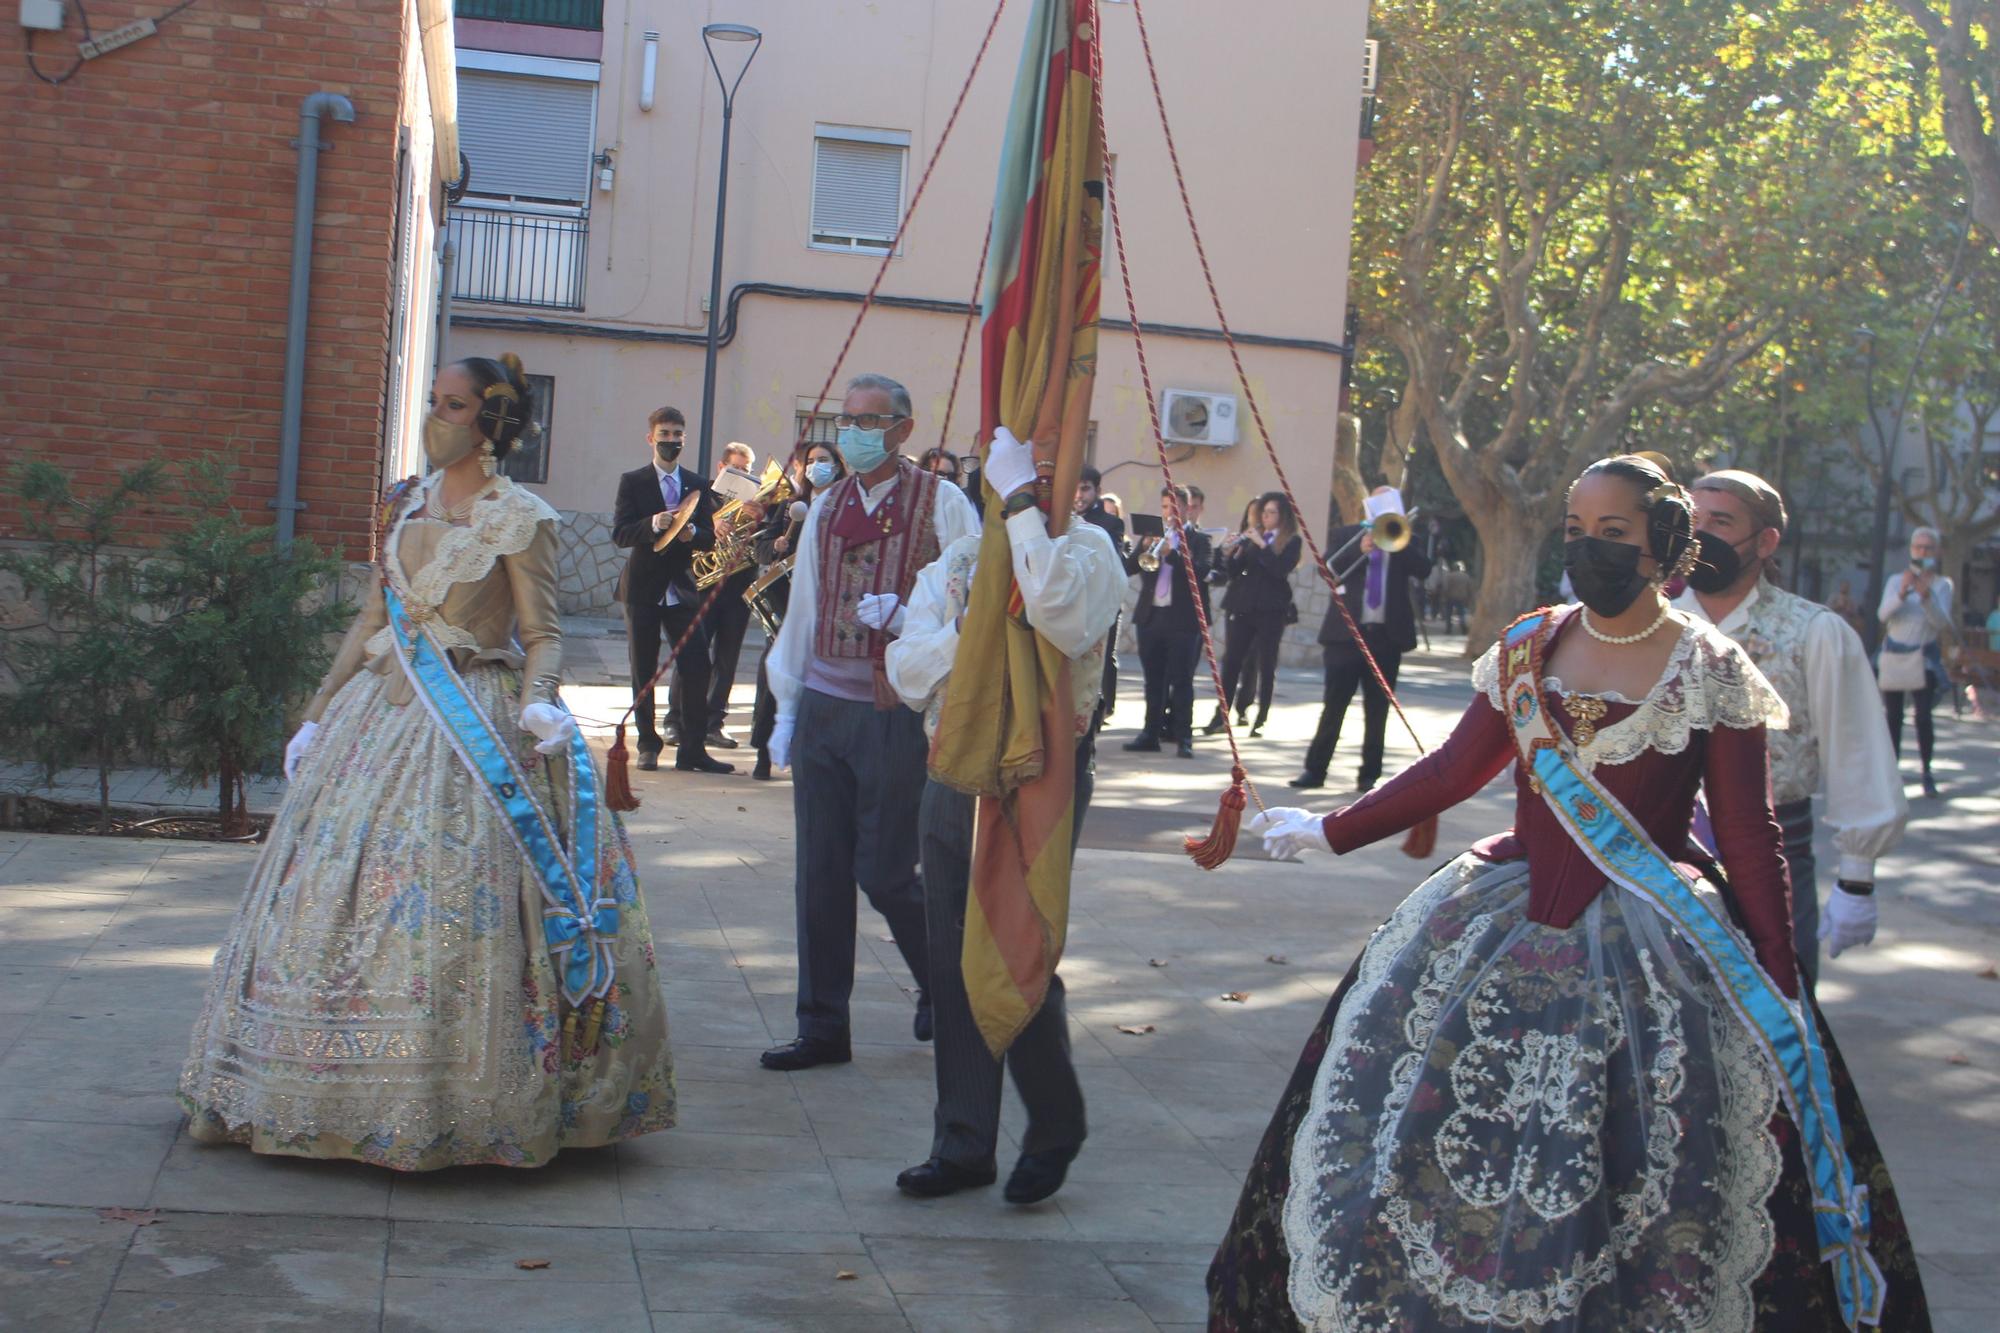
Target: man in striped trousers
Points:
(1071, 588)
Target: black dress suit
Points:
(1258, 602)
(1346, 668)
(1170, 639)
(649, 575)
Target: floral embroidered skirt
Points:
(385, 994)
(1502, 1124)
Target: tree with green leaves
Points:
(79, 694)
(241, 639)
(1964, 40)
(1580, 220)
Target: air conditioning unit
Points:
(1189, 417)
(1371, 62)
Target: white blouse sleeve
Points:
(1864, 794)
(785, 669)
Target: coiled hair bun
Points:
(1669, 510)
(507, 404)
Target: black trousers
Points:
(1924, 700)
(1250, 661)
(857, 784)
(1347, 671)
(731, 618)
(1108, 700)
(646, 625)
(967, 1119)
(1168, 658)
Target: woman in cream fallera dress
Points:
(387, 992)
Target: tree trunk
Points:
(235, 811)
(1512, 544)
(1349, 491)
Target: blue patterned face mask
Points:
(863, 449)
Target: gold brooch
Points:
(1586, 713)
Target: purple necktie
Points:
(1378, 566)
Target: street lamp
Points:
(710, 35)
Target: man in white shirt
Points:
(1837, 741)
(858, 758)
(1071, 589)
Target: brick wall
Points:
(144, 267)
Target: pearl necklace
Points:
(1645, 633)
(460, 512)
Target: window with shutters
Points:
(528, 128)
(858, 180)
(528, 460)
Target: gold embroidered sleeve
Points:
(531, 575)
(373, 616)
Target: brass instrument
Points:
(736, 531)
(1149, 554)
(753, 596)
(1390, 532)
(682, 513)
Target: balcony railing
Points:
(548, 13)
(517, 258)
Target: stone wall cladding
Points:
(587, 565)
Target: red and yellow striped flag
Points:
(1007, 730)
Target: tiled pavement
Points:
(772, 1207)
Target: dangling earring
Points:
(486, 457)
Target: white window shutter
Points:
(857, 192)
(527, 137)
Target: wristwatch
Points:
(1860, 888)
(1020, 502)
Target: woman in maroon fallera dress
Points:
(1532, 1102)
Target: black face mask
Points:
(1604, 573)
(667, 454)
(1717, 565)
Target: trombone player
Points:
(1375, 563)
(665, 513)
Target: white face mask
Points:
(445, 442)
(820, 474)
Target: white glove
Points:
(779, 747)
(880, 610)
(1010, 464)
(295, 749)
(1847, 921)
(552, 727)
(1288, 830)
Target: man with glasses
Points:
(1837, 739)
(857, 755)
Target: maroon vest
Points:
(861, 553)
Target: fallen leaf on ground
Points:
(60, 1263)
(886, 939)
(1957, 1058)
(1157, 962)
(844, 1275)
(138, 1217)
(1277, 958)
(1135, 1029)
(531, 1263)
(1989, 973)
(1236, 996)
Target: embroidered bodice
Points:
(1702, 725)
(486, 590)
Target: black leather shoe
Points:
(720, 741)
(1257, 732)
(762, 772)
(805, 1053)
(1143, 742)
(1185, 749)
(1215, 725)
(924, 1025)
(936, 1178)
(1038, 1175)
(702, 763)
(1365, 784)
(649, 760)
(1308, 781)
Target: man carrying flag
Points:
(1071, 587)
(1005, 733)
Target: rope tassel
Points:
(1422, 839)
(1209, 853)
(618, 777)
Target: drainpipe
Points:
(310, 113)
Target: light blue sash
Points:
(1614, 841)
(577, 924)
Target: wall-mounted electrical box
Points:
(46, 15)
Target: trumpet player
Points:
(1375, 584)
(1168, 627)
(664, 499)
(814, 468)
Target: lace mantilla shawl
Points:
(503, 524)
(1709, 682)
